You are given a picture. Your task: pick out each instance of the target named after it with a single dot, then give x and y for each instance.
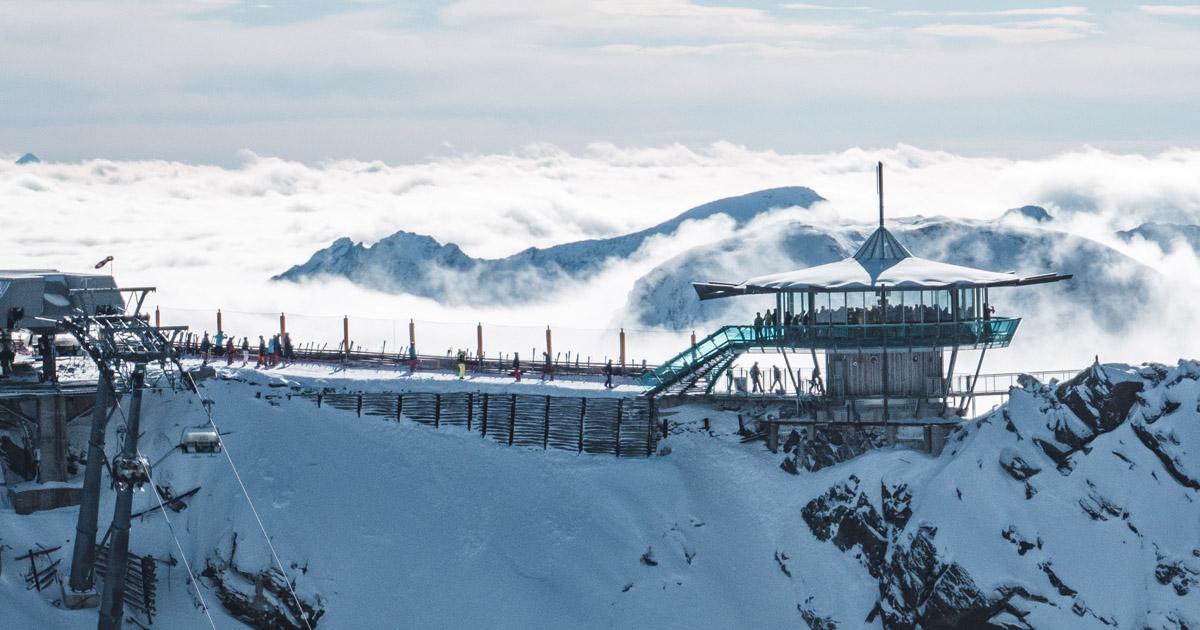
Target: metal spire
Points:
(879, 189)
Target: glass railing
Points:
(980, 333)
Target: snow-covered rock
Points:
(1168, 236)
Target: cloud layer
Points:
(210, 236)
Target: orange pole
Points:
(412, 335)
(346, 334)
(622, 346)
(479, 340)
(157, 318)
(282, 325)
(549, 345)
(693, 338)
(218, 320)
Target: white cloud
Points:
(1032, 11)
(1171, 9)
(209, 237)
(1025, 32)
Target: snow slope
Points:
(1072, 506)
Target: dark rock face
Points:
(921, 586)
(828, 447)
(844, 515)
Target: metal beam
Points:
(112, 604)
(84, 554)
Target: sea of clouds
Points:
(210, 236)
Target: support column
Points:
(219, 329)
(622, 347)
(479, 340)
(346, 334)
(84, 554)
(549, 345)
(412, 337)
(157, 318)
(112, 603)
(282, 325)
(52, 438)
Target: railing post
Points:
(546, 431)
(437, 411)
(360, 405)
(512, 419)
(399, 406)
(470, 409)
(485, 414)
(650, 426)
(582, 413)
(620, 408)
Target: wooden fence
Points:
(623, 427)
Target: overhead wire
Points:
(237, 475)
(171, 528)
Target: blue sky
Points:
(199, 81)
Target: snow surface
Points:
(403, 525)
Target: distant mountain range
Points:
(1021, 240)
(1166, 235)
(419, 265)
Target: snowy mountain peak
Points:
(28, 158)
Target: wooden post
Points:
(582, 413)
(620, 408)
(157, 318)
(549, 345)
(546, 431)
(437, 410)
(470, 409)
(219, 320)
(622, 347)
(650, 423)
(485, 414)
(412, 336)
(512, 419)
(346, 334)
(282, 325)
(399, 405)
(478, 340)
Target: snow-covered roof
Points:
(881, 261)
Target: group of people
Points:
(875, 314)
(275, 351)
(815, 386)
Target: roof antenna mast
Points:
(879, 189)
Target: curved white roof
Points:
(881, 262)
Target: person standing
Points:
(758, 324)
(547, 367)
(289, 352)
(516, 372)
(7, 354)
(262, 352)
(756, 378)
(608, 374)
(818, 385)
(776, 379)
(205, 347)
(229, 350)
(245, 351)
(462, 364)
